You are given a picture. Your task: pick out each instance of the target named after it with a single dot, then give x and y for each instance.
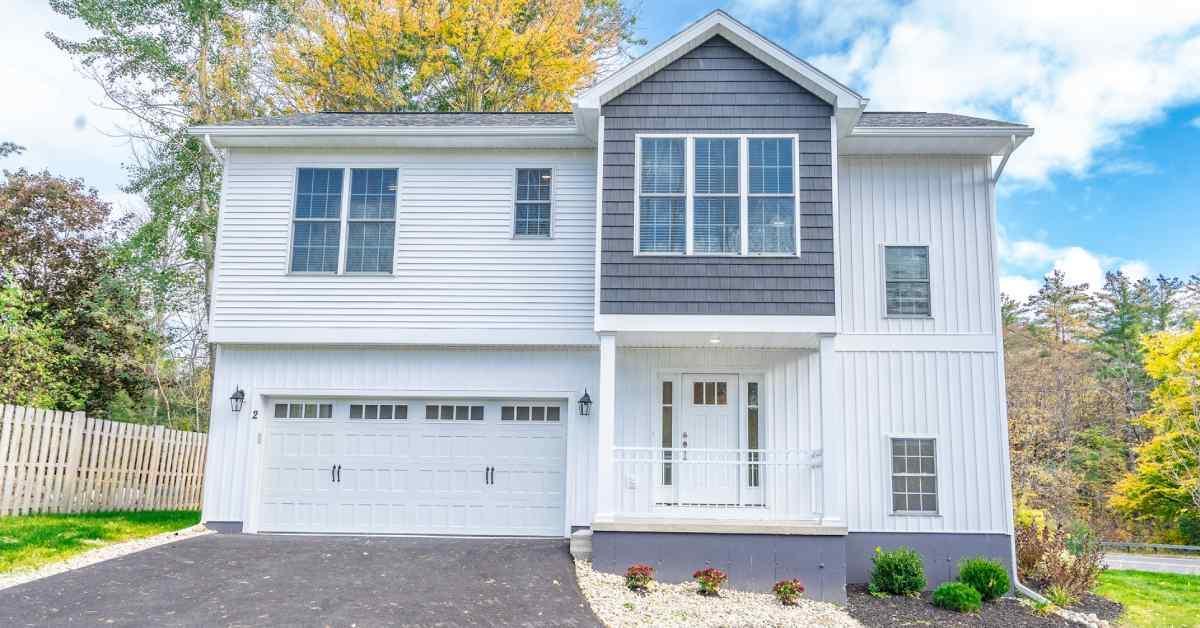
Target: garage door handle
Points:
(487, 475)
(339, 474)
(333, 473)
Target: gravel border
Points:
(681, 606)
(100, 555)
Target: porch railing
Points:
(760, 484)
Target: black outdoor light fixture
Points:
(236, 399)
(585, 404)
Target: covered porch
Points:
(717, 433)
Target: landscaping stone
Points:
(681, 605)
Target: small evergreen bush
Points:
(985, 575)
(898, 572)
(958, 597)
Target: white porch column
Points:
(833, 439)
(605, 427)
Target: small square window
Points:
(401, 412)
(476, 413)
(431, 413)
(552, 413)
(523, 413)
(447, 413)
(281, 410)
(507, 413)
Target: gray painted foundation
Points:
(754, 562)
(224, 527)
(940, 551)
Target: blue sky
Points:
(1113, 87)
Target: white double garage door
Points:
(411, 466)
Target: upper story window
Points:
(370, 219)
(371, 234)
(662, 199)
(531, 216)
(316, 233)
(716, 195)
(772, 210)
(906, 270)
(716, 212)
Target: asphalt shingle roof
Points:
(567, 119)
(925, 119)
(358, 119)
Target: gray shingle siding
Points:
(717, 88)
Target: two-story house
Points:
(715, 314)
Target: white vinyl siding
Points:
(939, 202)
(456, 267)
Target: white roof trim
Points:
(265, 130)
(393, 136)
(942, 131)
(720, 23)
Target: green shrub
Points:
(985, 575)
(710, 579)
(898, 572)
(1061, 596)
(956, 596)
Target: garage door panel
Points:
(415, 475)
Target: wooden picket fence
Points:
(65, 462)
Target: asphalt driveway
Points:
(253, 580)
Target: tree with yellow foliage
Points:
(446, 55)
(1164, 490)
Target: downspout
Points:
(221, 160)
(1028, 592)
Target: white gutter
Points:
(1012, 146)
(375, 131)
(213, 149)
(941, 131)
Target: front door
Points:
(708, 438)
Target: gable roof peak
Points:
(847, 103)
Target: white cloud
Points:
(1196, 122)
(1026, 262)
(51, 109)
(1085, 74)
(1019, 288)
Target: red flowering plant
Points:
(710, 579)
(638, 577)
(788, 591)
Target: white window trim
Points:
(883, 280)
(553, 205)
(344, 221)
(690, 191)
(937, 474)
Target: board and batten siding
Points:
(950, 396)
(457, 264)
(377, 372)
(717, 88)
(939, 202)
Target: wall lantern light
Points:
(236, 399)
(585, 404)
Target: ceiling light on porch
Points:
(715, 340)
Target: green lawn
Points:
(1153, 599)
(35, 540)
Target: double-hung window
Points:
(532, 211)
(371, 234)
(772, 210)
(716, 195)
(662, 196)
(716, 206)
(907, 280)
(316, 232)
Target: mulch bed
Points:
(1101, 607)
(895, 610)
